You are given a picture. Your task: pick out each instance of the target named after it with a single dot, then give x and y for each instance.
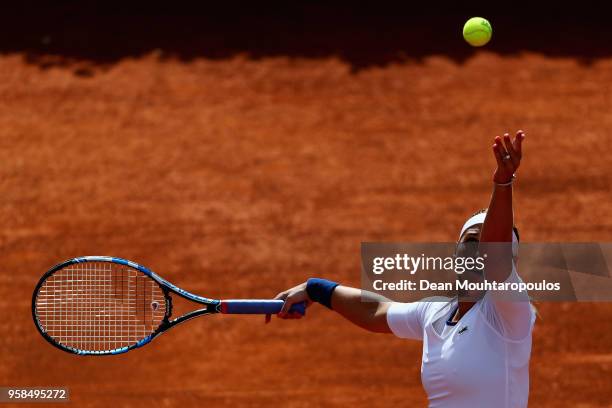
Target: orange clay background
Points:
(240, 170)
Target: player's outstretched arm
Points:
(499, 221)
(362, 308)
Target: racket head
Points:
(97, 305)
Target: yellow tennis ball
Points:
(477, 31)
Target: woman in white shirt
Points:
(475, 351)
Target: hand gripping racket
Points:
(99, 305)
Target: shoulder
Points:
(407, 320)
(425, 308)
(511, 320)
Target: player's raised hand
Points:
(508, 154)
(292, 296)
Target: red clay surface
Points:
(240, 177)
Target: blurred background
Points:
(239, 149)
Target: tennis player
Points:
(475, 352)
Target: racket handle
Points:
(254, 306)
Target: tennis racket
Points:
(99, 305)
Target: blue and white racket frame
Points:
(213, 306)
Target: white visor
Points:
(480, 219)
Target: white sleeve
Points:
(406, 320)
(511, 314)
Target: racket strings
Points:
(99, 306)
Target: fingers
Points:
(514, 156)
(518, 142)
(284, 312)
(508, 154)
(287, 313)
(291, 297)
(500, 150)
(498, 156)
(290, 315)
(280, 296)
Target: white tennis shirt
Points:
(482, 361)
